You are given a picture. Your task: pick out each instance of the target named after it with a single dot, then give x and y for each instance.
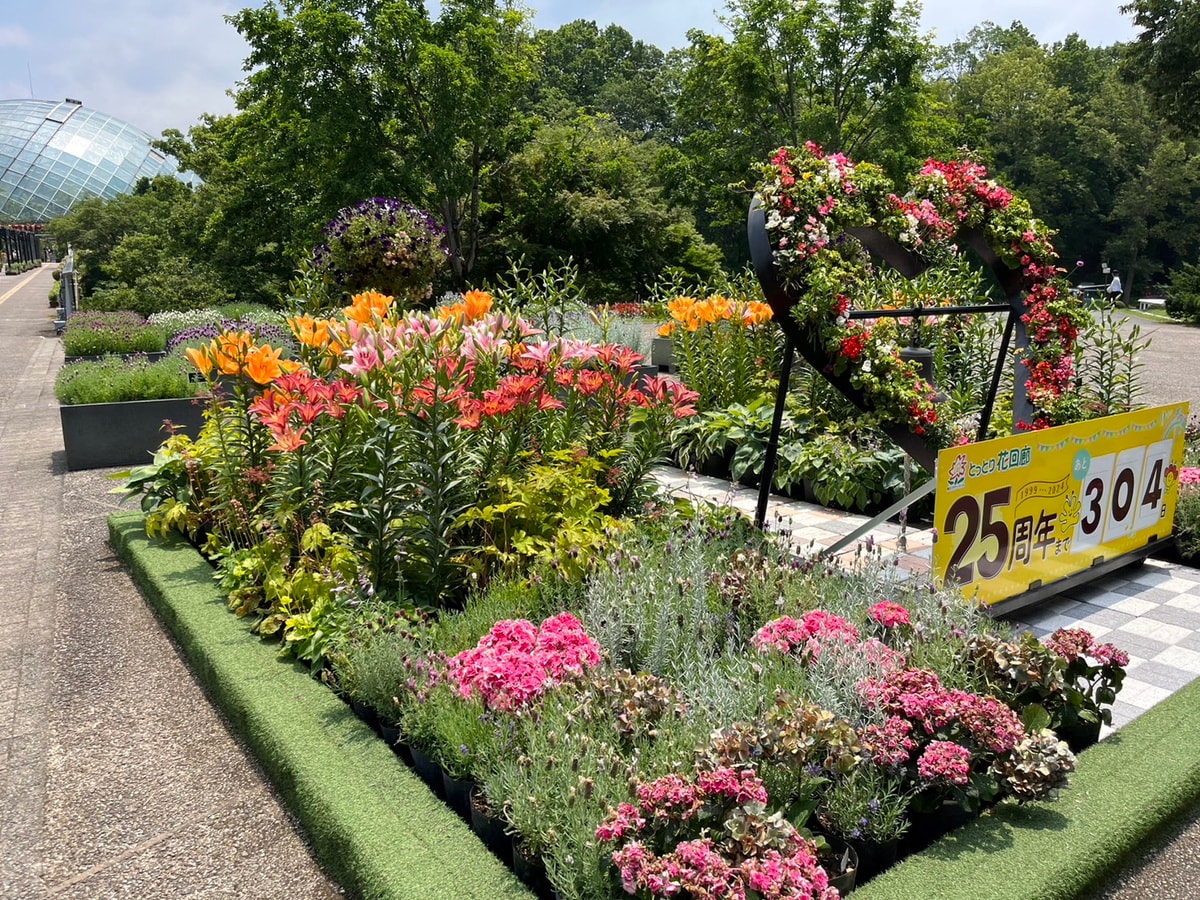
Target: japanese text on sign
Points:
(1036, 507)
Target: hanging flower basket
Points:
(823, 213)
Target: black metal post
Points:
(768, 472)
(985, 417)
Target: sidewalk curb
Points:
(374, 825)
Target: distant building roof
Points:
(53, 154)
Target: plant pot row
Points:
(849, 862)
(464, 797)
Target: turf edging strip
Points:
(1124, 790)
(374, 825)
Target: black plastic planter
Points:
(104, 435)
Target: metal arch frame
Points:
(909, 265)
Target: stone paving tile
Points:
(1136, 644)
(1163, 675)
(1158, 631)
(1092, 616)
(1191, 642)
(1141, 694)
(1173, 615)
(1181, 658)
(1189, 601)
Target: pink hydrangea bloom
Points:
(945, 761)
(1110, 655)
(1189, 475)
(672, 797)
(739, 785)
(915, 694)
(992, 723)
(795, 876)
(891, 743)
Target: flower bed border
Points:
(380, 832)
(374, 826)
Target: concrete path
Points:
(117, 777)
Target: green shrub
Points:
(98, 333)
(1183, 293)
(113, 379)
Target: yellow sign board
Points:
(1020, 512)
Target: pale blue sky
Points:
(161, 64)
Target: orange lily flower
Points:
(262, 364)
(368, 306)
(200, 358)
(476, 305)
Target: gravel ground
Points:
(148, 793)
(1172, 361)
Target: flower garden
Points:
(449, 517)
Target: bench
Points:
(1151, 303)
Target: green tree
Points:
(1157, 216)
(586, 190)
(1056, 123)
(140, 251)
(1165, 58)
(843, 73)
(602, 71)
(348, 99)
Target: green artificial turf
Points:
(381, 833)
(374, 825)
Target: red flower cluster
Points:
(968, 179)
(852, 346)
(889, 614)
(297, 400)
(805, 634)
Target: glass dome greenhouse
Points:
(53, 154)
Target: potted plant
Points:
(868, 809)
(1092, 675)
(116, 412)
(711, 833)
(1067, 683)
(95, 334)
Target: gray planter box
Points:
(104, 435)
(662, 354)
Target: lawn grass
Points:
(375, 827)
(380, 832)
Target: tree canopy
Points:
(585, 143)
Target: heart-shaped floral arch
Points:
(814, 224)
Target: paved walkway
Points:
(117, 777)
